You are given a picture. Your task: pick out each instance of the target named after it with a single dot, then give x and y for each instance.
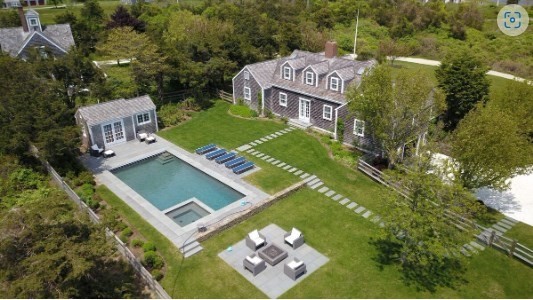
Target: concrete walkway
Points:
(429, 62)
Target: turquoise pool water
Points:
(165, 181)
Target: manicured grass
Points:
(351, 272)
(523, 233)
(270, 178)
(305, 152)
(215, 125)
(48, 13)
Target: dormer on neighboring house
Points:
(33, 21)
(314, 73)
(53, 40)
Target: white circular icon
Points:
(513, 20)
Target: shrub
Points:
(137, 243)
(157, 274)
(86, 192)
(125, 234)
(153, 260)
(171, 115)
(149, 246)
(269, 114)
(340, 130)
(119, 226)
(189, 104)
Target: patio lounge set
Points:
(238, 165)
(273, 254)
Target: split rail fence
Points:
(487, 236)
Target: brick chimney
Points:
(22, 18)
(331, 49)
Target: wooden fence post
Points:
(491, 238)
(512, 248)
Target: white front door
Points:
(305, 110)
(113, 132)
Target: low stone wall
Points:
(247, 213)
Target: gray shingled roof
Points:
(12, 39)
(268, 73)
(115, 109)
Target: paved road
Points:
(430, 62)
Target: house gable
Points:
(37, 39)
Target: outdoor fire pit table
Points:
(273, 254)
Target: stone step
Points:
(298, 172)
(250, 150)
(465, 252)
(293, 169)
(287, 167)
(323, 189)
(367, 214)
(270, 159)
(265, 157)
(317, 185)
(259, 155)
(337, 197)
(359, 210)
(244, 147)
(504, 225)
(499, 228)
(254, 152)
(312, 181)
(258, 142)
(330, 193)
(263, 139)
(193, 251)
(470, 248)
(304, 175)
(476, 245)
(514, 221)
(351, 205)
(281, 164)
(505, 221)
(275, 162)
(268, 137)
(344, 201)
(376, 219)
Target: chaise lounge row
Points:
(238, 165)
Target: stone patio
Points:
(272, 281)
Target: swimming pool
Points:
(165, 181)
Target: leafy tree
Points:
(88, 29)
(490, 146)
(392, 49)
(463, 80)
(419, 233)
(49, 249)
(395, 111)
(121, 18)
(9, 18)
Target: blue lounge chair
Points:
(226, 157)
(215, 154)
(206, 148)
(235, 162)
(243, 168)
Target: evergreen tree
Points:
(121, 18)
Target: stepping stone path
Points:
(304, 176)
(287, 167)
(323, 190)
(337, 197)
(292, 170)
(344, 201)
(298, 172)
(359, 209)
(317, 185)
(281, 164)
(270, 159)
(330, 193)
(265, 157)
(367, 214)
(275, 162)
(351, 205)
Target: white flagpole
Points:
(355, 39)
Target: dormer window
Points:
(334, 83)
(309, 78)
(287, 73)
(33, 22)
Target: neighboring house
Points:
(309, 89)
(51, 39)
(116, 121)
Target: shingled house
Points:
(116, 121)
(307, 88)
(53, 40)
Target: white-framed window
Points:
(283, 99)
(287, 73)
(246, 75)
(247, 94)
(143, 118)
(327, 113)
(334, 83)
(309, 78)
(359, 127)
(33, 22)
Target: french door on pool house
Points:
(113, 132)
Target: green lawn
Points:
(215, 125)
(340, 235)
(48, 13)
(304, 151)
(523, 233)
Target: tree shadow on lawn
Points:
(426, 274)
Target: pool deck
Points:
(133, 151)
